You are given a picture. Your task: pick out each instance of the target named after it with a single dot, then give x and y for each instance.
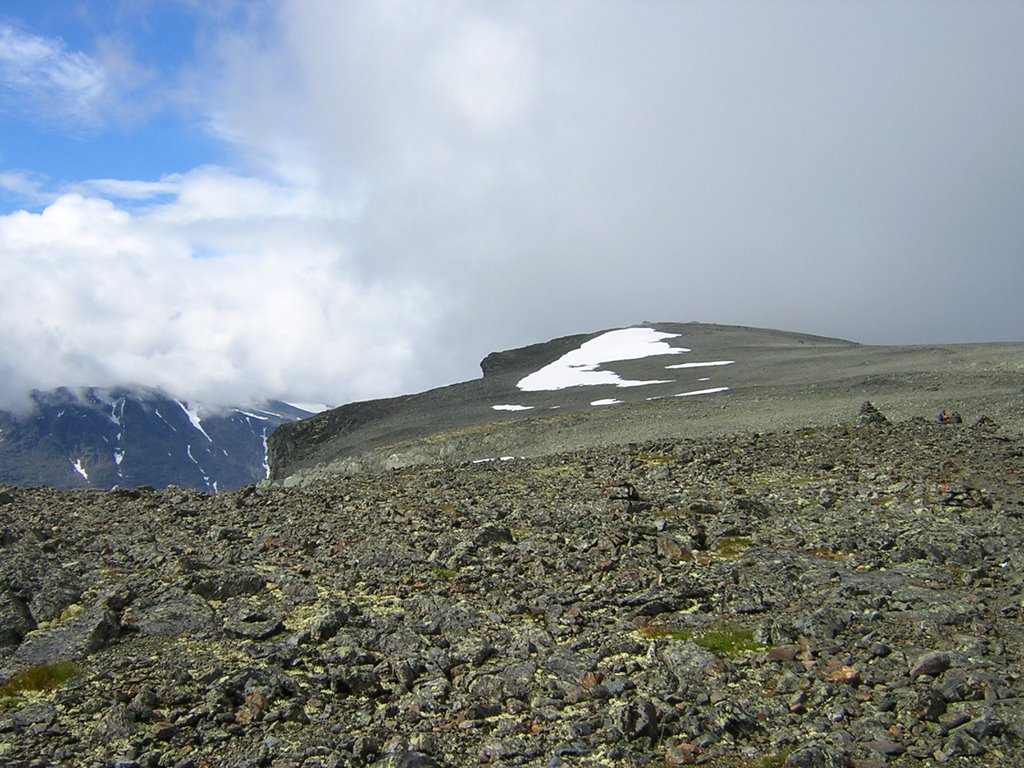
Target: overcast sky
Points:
(327, 201)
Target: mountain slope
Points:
(106, 438)
(649, 382)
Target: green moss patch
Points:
(729, 641)
(721, 640)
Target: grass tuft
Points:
(732, 546)
(43, 677)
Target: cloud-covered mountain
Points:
(107, 438)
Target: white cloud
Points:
(124, 189)
(487, 71)
(108, 295)
(24, 186)
(56, 81)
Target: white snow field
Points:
(579, 367)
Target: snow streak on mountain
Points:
(121, 438)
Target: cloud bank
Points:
(418, 184)
(230, 292)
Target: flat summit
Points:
(667, 380)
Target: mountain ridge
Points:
(734, 378)
(96, 437)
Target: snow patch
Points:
(579, 367)
(512, 407)
(165, 421)
(266, 457)
(711, 391)
(188, 450)
(117, 412)
(701, 365)
(77, 464)
(193, 416)
(252, 415)
(606, 401)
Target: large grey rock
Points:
(691, 664)
(816, 756)
(172, 613)
(225, 584)
(15, 619)
(92, 630)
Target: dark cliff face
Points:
(292, 444)
(518, 361)
(95, 438)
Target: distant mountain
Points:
(648, 382)
(107, 438)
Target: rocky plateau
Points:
(811, 595)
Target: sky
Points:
(322, 201)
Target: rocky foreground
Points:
(846, 596)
